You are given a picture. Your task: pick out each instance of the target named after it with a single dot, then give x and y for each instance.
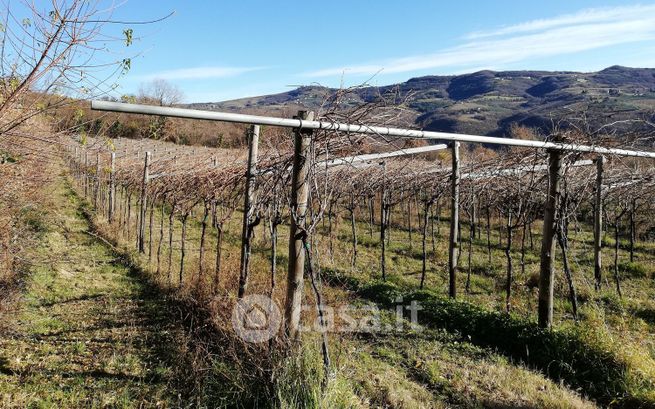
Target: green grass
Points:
(83, 334)
(470, 376)
(596, 368)
(636, 270)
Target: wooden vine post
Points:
(454, 221)
(424, 231)
(598, 223)
(185, 217)
(249, 221)
(96, 184)
(76, 162)
(383, 222)
(547, 271)
(353, 228)
(86, 173)
(144, 204)
(112, 188)
(299, 194)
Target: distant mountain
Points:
(489, 102)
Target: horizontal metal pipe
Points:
(626, 183)
(522, 169)
(352, 160)
(353, 128)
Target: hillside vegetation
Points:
(482, 103)
(488, 102)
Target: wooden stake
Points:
(510, 265)
(454, 221)
(217, 261)
(299, 194)
(353, 228)
(96, 185)
(86, 173)
(150, 225)
(144, 204)
(161, 238)
(409, 221)
(371, 213)
(112, 188)
(547, 272)
(249, 221)
(383, 223)
(171, 225)
(128, 215)
(598, 224)
(424, 232)
(563, 244)
(203, 231)
(185, 216)
(633, 229)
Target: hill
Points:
(489, 102)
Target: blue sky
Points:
(225, 50)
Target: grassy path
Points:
(86, 331)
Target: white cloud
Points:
(582, 31)
(595, 15)
(200, 73)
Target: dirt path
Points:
(86, 332)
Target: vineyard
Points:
(548, 248)
(179, 229)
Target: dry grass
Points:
(22, 165)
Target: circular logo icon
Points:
(256, 318)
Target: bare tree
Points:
(52, 55)
(160, 92)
